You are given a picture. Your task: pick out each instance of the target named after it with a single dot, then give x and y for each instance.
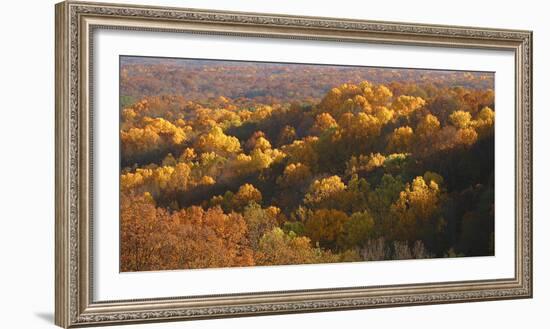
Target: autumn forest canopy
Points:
(246, 163)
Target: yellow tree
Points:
(258, 140)
(187, 155)
(415, 208)
(401, 139)
(484, 123)
(262, 144)
(303, 151)
(179, 178)
(323, 189)
(279, 248)
(359, 128)
(364, 163)
(323, 122)
(246, 194)
(294, 174)
(460, 119)
(428, 127)
(384, 114)
(466, 136)
(427, 132)
(217, 141)
(261, 113)
(377, 95)
(406, 105)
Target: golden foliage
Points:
(363, 163)
(324, 189)
(406, 105)
(324, 226)
(460, 119)
(218, 142)
(428, 127)
(416, 205)
(303, 181)
(466, 136)
(303, 151)
(153, 239)
(155, 134)
(359, 128)
(350, 98)
(156, 180)
(401, 139)
(246, 194)
(294, 174)
(279, 248)
(324, 121)
(484, 123)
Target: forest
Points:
(230, 164)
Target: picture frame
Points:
(76, 22)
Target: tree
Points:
(187, 155)
(404, 106)
(324, 226)
(357, 231)
(380, 200)
(259, 141)
(261, 113)
(294, 174)
(466, 136)
(218, 142)
(157, 180)
(207, 180)
(262, 144)
(323, 122)
(460, 119)
(287, 135)
(354, 198)
(303, 151)
(430, 176)
(416, 209)
(428, 127)
(179, 178)
(229, 201)
(246, 194)
(279, 248)
(484, 123)
(377, 95)
(154, 137)
(143, 229)
(324, 189)
(206, 239)
(359, 128)
(259, 221)
(401, 139)
(384, 114)
(169, 160)
(362, 98)
(153, 239)
(486, 115)
(363, 163)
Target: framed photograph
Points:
(218, 164)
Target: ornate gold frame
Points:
(76, 22)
